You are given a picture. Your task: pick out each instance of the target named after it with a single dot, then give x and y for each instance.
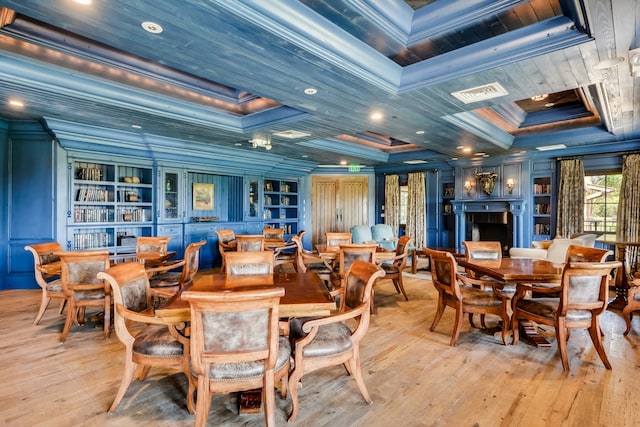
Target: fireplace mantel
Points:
(515, 206)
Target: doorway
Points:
(337, 204)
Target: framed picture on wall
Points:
(202, 197)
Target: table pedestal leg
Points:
(249, 402)
(622, 285)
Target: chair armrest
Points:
(532, 253)
(140, 317)
(341, 317)
(165, 267)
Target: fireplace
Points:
(496, 220)
(490, 226)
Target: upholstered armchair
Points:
(148, 342)
(330, 341)
(243, 263)
(384, 236)
(347, 255)
(157, 247)
(335, 239)
(273, 234)
(583, 294)
(307, 261)
(361, 234)
(464, 294)
(82, 287)
(235, 346)
(47, 269)
(165, 281)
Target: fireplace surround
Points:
(499, 216)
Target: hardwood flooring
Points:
(414, 377)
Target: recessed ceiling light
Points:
(466, 149)
(343, 162)
(311, 91)
(136, 126)
(84, 2)
(480, 153)
(551, 147)
(152, 27)
(460, 147)
(540, 97)
(305, 156)
(238, 144)
(419, 132)
(414, 162)
(16, 103)
(549, 104)
(291, 134)
(454, 158)
(376, 116)
(485, 155)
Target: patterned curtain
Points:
(392, 202)
(570, 198)
(416, 209)
(628, 227)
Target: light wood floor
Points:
(414, 377)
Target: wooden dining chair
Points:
(47, 268)
(394, 268)
(242, 263)
(310, 262)
(166, 281)
(334, 240)
(335, 340)
(250, 242)
(235, 346)
(577, 253)
(226, 243)
(583, 294)
(273, 234)
(152, 245)
(148, 341)
(348, 253)
(82, 287)
(464, 294)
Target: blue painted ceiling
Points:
(224, 72)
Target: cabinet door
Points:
(253, 206)
(171, 198)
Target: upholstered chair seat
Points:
(334, 338)
(163, 280)
(155, 340)
(54, 286)
(254, 369)
(92, 294)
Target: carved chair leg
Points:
(44, 303)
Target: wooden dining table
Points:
(305, 294)
(330, 254)
(519, 271)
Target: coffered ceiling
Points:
(235, 74)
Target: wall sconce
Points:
(468, 187)
(510, 184)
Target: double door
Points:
(337, 204)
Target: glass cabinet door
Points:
(252, 194)
(171, 188)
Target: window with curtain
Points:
(404, 204)
(601, 196)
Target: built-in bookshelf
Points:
(280, 205)
(111, 204)
(447, 229)
(542, 208)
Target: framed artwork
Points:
(202, 197)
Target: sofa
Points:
(553, 250)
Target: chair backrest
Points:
(242, 263)
(337, 239)
(130, 290)
(145, 244)
(226, 236)
(356, 251)
(359, 284)
(443, 272)
(576, 253)
(191, 262)
(402, 250)
(482, 251)
(233, 327)
(585, 286)
(250, 242)
(273, 233)
(361, 234)
(384, 236)
(43, 254)
(81, 268)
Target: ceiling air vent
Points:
(480, 93)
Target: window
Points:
(601, 203)
(404, 197)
